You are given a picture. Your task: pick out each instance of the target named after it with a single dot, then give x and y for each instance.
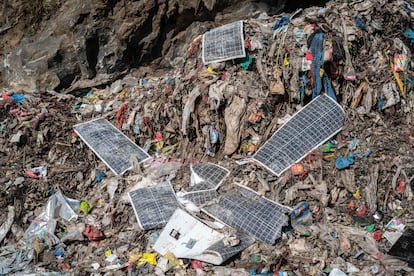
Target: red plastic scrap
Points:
(247, 43)
(401, 187)
(158, 137)
(362, 210)
(93, 233)
(120, 115)
(31, 174)
(196, 264)
(65, 267)
(377, 235)
(279, 263)
(194, 46)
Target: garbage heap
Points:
(197, 202)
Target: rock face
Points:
(89, 43)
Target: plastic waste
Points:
(14, 259)
(301, 218)
(57, 206)
(5, 227)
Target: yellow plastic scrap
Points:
(173, 261)
(150, 258)
(357, 194)
(321, 72)
(286, 60)
(85, 207)
(397, 78)
(108, 253)
(121, 94)
(210, 70)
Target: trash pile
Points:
(279, 145)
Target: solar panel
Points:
(224, 43)
(208, 175)
(153, 206)
(200, 197)
(309, 128)
(185, 236)
(112, 146)
(249, 212)
(205, 180)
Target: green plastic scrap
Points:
(246, 61)
(369, 228)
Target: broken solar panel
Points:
(224, 43)
(112, 146)
(205, 180)
(153, 206)
(185, 236)
(207, 175)
(309, 128)
(226, 252)
(200, 197)
(249, 212)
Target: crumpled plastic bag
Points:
(57, 205)
(13, 259)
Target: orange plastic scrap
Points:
(297, 169)
(397, 78)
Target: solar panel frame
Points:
(228, 38)
(275, 154)
(93, 134)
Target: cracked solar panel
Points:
(309, 128)
(205, 180)
(249, 212)
(186, 236)
(224, 43)
(153, 206)
(208, 175)
(200, 197)
(112, 146)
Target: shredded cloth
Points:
(317, 51)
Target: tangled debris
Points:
(341, 209)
